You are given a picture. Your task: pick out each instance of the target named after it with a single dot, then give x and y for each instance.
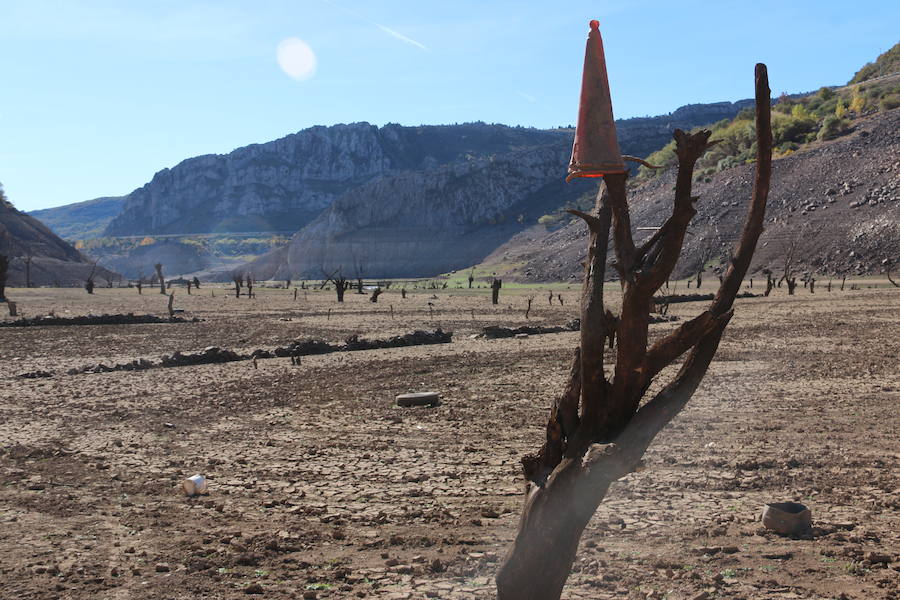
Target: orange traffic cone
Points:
(596, 148)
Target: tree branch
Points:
(561, 425)
(688, 147)
(594, 387)
(621, 224)
(666, 350)
(753, 226)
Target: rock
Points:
(162, 568)
(254, 588)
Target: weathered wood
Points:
(587, 449)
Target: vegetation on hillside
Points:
(228, 246)
(887, 63)
(796, 122)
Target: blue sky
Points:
(99, 95)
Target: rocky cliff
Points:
(447, 215)
(285, 184)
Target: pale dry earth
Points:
(321, 487)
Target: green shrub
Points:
(832, 127)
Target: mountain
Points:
(285, 184)
(837, 201)
(446, 215)
(53, 260)
(82, 220)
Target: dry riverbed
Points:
(319, 487)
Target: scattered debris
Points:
(116, 319)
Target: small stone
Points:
(254, 588)
(162, 568)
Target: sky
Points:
(98, 95)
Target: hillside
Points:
(283, 185)
(839, 199)
(53, 260)
(82, 220)
(418, 222)
(887, 63)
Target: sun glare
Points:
(296, 58)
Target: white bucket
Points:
(194, 485)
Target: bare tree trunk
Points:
(496, 284)
(843, 281)
(887, 271)
(529, 300)
(159, 275)
(598, 430)
(4, 274)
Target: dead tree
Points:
(249, 286)
(171, 305)
(340, 283)
(496, 284)
(559, 297)
(843, 281)
(812, 285)
(550, 298)
(238, 280)
(888, 265)
(89, 282)
(528, 301)
(4, 275)
(704, 258)
(375, 293)
(159, 275)
(29, 258)
(770, 282)
(196, 283)
(788, 274)
(598, 430)
(471, 278)
(403, 292)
